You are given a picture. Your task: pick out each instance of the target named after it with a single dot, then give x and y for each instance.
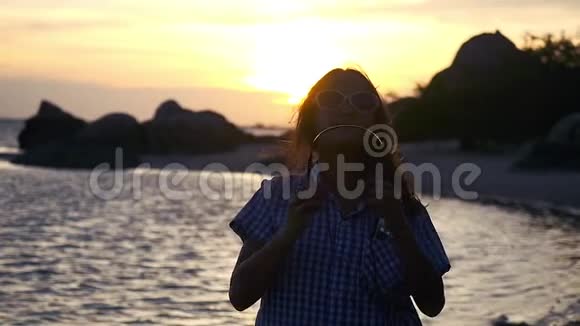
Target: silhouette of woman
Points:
(334, 256)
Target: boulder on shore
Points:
(559, 150)
(493, 97)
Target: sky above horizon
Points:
(250, 60)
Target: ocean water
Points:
(77, 251)
(9, 135)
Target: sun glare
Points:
(290, 57)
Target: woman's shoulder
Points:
(281, 186)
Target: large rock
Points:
(486, 50)
(54, 138)
(492, 96)
(401, 105)
(566, 132)
(114, 130)
(478, 61)
(559, 150)
(50, 125)
(174, 129)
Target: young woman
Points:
(331, 259)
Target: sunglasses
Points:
(362, 101)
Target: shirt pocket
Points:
(382, 269)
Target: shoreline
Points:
(498, 183)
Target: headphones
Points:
(309, 163)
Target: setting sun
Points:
(290, 57)
(265, 54)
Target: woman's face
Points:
(345, 113)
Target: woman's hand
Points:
(425, 285)
(300, 213)
(386, 203)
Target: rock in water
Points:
(55, 138)
(75, 155)
(175, 129)
(50, 125)
(114, 130)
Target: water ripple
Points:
(70, 258)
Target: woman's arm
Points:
(258, 263)
(256, 269)
(425, 284)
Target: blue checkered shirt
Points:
(343, 270)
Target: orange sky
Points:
(250, 60)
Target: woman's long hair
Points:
(300, 146)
